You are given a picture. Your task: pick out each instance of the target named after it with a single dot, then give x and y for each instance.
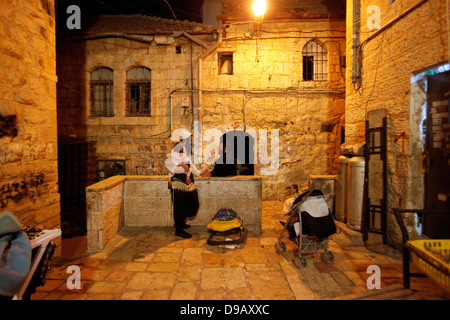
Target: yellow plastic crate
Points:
(430, 263)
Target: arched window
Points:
(138, 102)
(101, 88)
(314, 62)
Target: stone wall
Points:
(143, 202)
(147, 200)
(268, 94)
(266, 90)
(28, 128)
(104, 204)
(413, 43)
(142, 142)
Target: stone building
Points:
(284, 74)
(28, 124)
(113, 96)
(242, 75)
(118, 100)
(394, 51)
(198, 79)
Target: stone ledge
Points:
(106, 184)
(145, 201)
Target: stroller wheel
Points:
(280, 246)
(330, 256)
(326, 256)
(299, 262)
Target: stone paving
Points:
(154, 264)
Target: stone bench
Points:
(144, 201)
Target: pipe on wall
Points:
(381, 30)
(212, 48)
(355, 39)
(448, 31)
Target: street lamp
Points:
(259, 7)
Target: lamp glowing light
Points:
(259, 7)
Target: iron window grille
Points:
(138, 92)
(101, 93)
(314, 62)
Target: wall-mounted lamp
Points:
(259, 8)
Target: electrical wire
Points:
(137, 8)
(107, 7)
(376, 72)
(174, 16)
(178, 7)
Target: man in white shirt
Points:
(184, 192)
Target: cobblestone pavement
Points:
(154, 264)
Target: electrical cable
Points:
(107, 7)
(175, 17)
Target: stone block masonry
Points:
(266, 90)
(143, 202)
(28, 143)
(413, 43)
(267, 94)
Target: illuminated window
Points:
(101, 88)
(138, 92)
(314, 62)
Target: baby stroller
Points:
(309, 225)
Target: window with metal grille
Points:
(138, 98)
(314, 62)
(101, 88)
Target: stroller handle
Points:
(312, 188)
(330, 196)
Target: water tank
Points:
(355, 192)
(340, 202)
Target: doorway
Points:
(240, 146)
(77, 170)
(437, 150)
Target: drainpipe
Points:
(191, 90)
(195, 40)
(200, 59)
(384, 28)
(209, 50)
(393, 21)
(243, 111)
(355, 37)
(448, 32)
(191, 97)
(212, 48)
(170, 105)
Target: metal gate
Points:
(375, 215)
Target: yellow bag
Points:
(217, 225)
(226, 222)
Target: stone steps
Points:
(346, 236)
